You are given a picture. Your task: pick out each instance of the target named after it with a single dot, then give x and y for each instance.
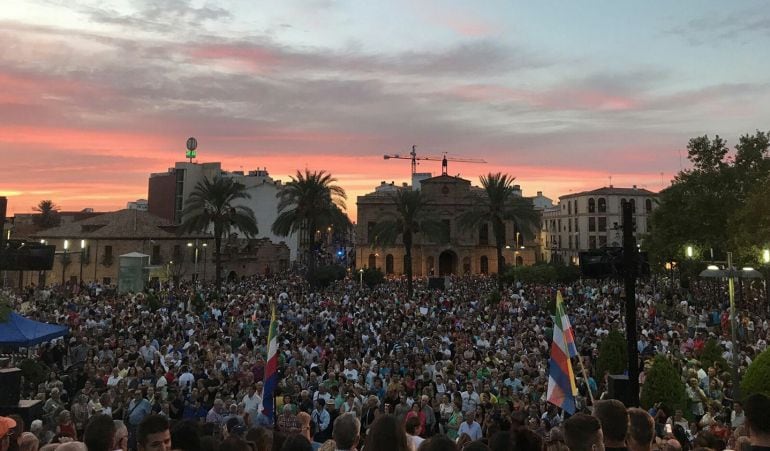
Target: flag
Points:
(271, 368)
(561, 378)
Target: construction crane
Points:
(413, 156)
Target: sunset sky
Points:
(96, 95)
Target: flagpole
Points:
(585, 376)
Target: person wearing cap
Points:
(6, 429)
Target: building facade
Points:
(168, 191)
(591, 220)
(89, 250)
(465, 252)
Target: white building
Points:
(592, 219)
(169, 191)
(139, 204)
(264, 202)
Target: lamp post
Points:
(766, 266)
(732, 273)
(361, 278)
(64, 260)
(82, 256)
(195, 274)
(205, 245)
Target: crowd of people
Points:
(443, 367)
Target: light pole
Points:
(82, 256)
(766, 267)
(361, 277)
(731, 273)
(195, 274)
(205, 245)
(64, 260)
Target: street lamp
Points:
(361, 277)
(82, 256)
(64, 260)
(205, 245)
(766, 262)
(195, 273)
(689, 251)
(732, 273)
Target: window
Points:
(569, 224)
(602, 223)
(466, 265)
(429, 262)
(370, 232)
(559, 241)
(602, 205)
(108, 251)
(623, 203)
(446, 230)
(484, 264)
(389, 264)
(648, 205)
(592, 242)
(633, 205)
(570, 241)
(156, 255)
(592, 224)
(372, 261)
(602, 240)
(559, 225)
(484, 234)
(569, 207)
(591, 205)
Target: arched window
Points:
(484, 265)
(389, 264)
(591, 205)
(519, 260)
(484, 234)
(602, 205)
(648, 205)
(633, 205)
(466, 265)
(430, 265)
(372, 261)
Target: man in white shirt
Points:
(412, 428)
(470, 426)
(471, 399)
(252, 402)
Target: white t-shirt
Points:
(414, 441)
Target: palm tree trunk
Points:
(218, 261)
(499, 230)
(311, 263)
(408, 264)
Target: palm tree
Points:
(409, 219)
(499, 205)
(310, 201)
(49, 214)
(211, 205)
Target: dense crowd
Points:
(445, 364)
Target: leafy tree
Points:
(410, 219)
(613, 354)
(325, 275)
(373, 277)
(663, 385)
(496, 207)
(707, 155)
(750, 225)
(757, 378)
(211, 206)
(712, 353)
(49, 214)
(704, 206)
(310, 201)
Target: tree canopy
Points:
(720, 204)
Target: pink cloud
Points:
(554, 99)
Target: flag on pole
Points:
(561, 377)
(271, 368)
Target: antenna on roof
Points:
(610, 181)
